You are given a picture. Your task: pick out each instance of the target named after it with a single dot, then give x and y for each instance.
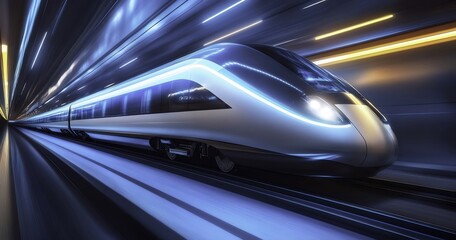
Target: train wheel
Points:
(224, 163)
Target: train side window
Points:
(115, 108)
(146, 101)
(64, 116)
(158, 100)
(177, 98)
(199, 98)
(133, 105)
(124, 104)
(79, 114)
(97, 110)
(87, 112)
(74, 114)
(103, 110)
(107, 108)
(84, 113)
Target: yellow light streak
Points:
(360, 25)
(1, 113)
(234, 32)
(5, 79)
(396, 46)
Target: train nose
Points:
(380, 141)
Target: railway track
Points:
(361, 219)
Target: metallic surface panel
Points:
(380, 140)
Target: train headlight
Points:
(324, 111)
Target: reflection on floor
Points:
(51, 204)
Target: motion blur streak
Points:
(134, 59)
(39, 50)
(1, 113)
(6, 193)
(343, 30)
(29, 23)
(234, 32)
(313, 4)
(224, 10)
(47, 204)
(5, 78)
(410, 43)
(167, 197)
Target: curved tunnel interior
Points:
(228, 119)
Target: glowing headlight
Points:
(323, 110)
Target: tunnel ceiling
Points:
(62, 50)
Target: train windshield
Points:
(319, 79)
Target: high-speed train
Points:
(249, 105)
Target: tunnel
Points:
(235, 119)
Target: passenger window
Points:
(133, 103)
(159, 99)
(115, 107)
(199, 98)
(146, 101)
(178, 96)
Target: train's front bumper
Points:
(380, 141)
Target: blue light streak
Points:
(31, 16)
(224, 10)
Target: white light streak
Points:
(49, 100)
(313, 4)
(234, 32)
(134, 59)
(281, 43)
(224, 10)
(59, 82)
(109, 85)
(39, 49)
